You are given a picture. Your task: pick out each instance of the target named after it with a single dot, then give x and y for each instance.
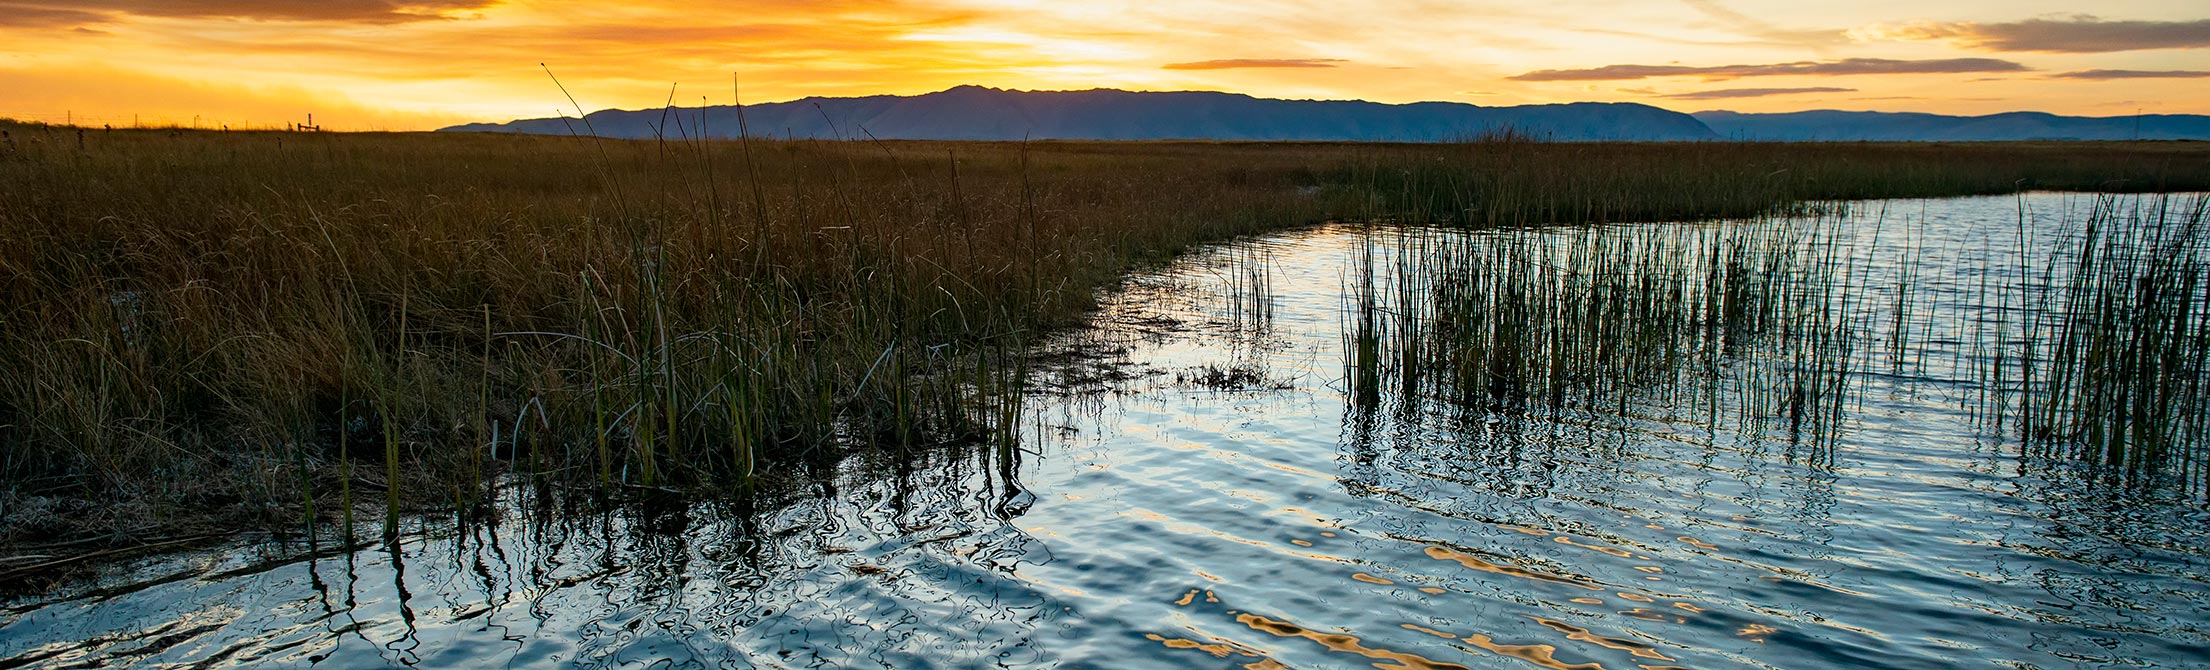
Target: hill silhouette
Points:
(979, 113)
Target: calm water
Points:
(1213, 499)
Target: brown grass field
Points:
(215, 330)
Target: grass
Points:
(2101, 349)
(1749, 319)
(222, 328)
(2080, 339)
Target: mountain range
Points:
(979, 113)
(1832, 126)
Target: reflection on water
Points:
(1204, 482)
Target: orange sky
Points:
(416, 64)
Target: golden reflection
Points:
(1756, 632)
(1637, 597)
(1589, 601)
(1578, 634)
(1615, 551)
(1699, 544)
(1475, 562)
(1370, 579)
(1346, 644)
(1542, 655)
(1430, 631)
(1432, 590)
(1218, 648)
(1187, 598)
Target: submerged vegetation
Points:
(260, 327)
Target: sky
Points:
(421, 64)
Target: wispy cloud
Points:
(2134, 74)
(1730, 93)
(1847, 66)
(1761, 29)
(361, 11)
(1236, 63)
(2078, 33)
(44, 16)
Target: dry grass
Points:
(255, 327)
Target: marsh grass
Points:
(2081, 342)
(250, 327)
(1605, 319)
(2102, 354)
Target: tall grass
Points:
(214, 328)
(2084, 341)
(2102, 355)
(1608, 318)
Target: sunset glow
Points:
(418, 64)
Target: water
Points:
(1198, 488)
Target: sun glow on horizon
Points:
(417, 64)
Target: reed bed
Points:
(2097, 350)
(1745, 319)
(215, 329)
(2081, 342)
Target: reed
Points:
(2082, 342)
(1602, 319)
(2106, 351)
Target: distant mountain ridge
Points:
(979, 113)
(1838, 126)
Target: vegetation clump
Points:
(2081, 337)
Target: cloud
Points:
(2134, 74)
(1728, 93)
(13, 15)
(1234, 63)
(1761, 29)
(360, 11)
(2079, 33)
(1847, 66)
